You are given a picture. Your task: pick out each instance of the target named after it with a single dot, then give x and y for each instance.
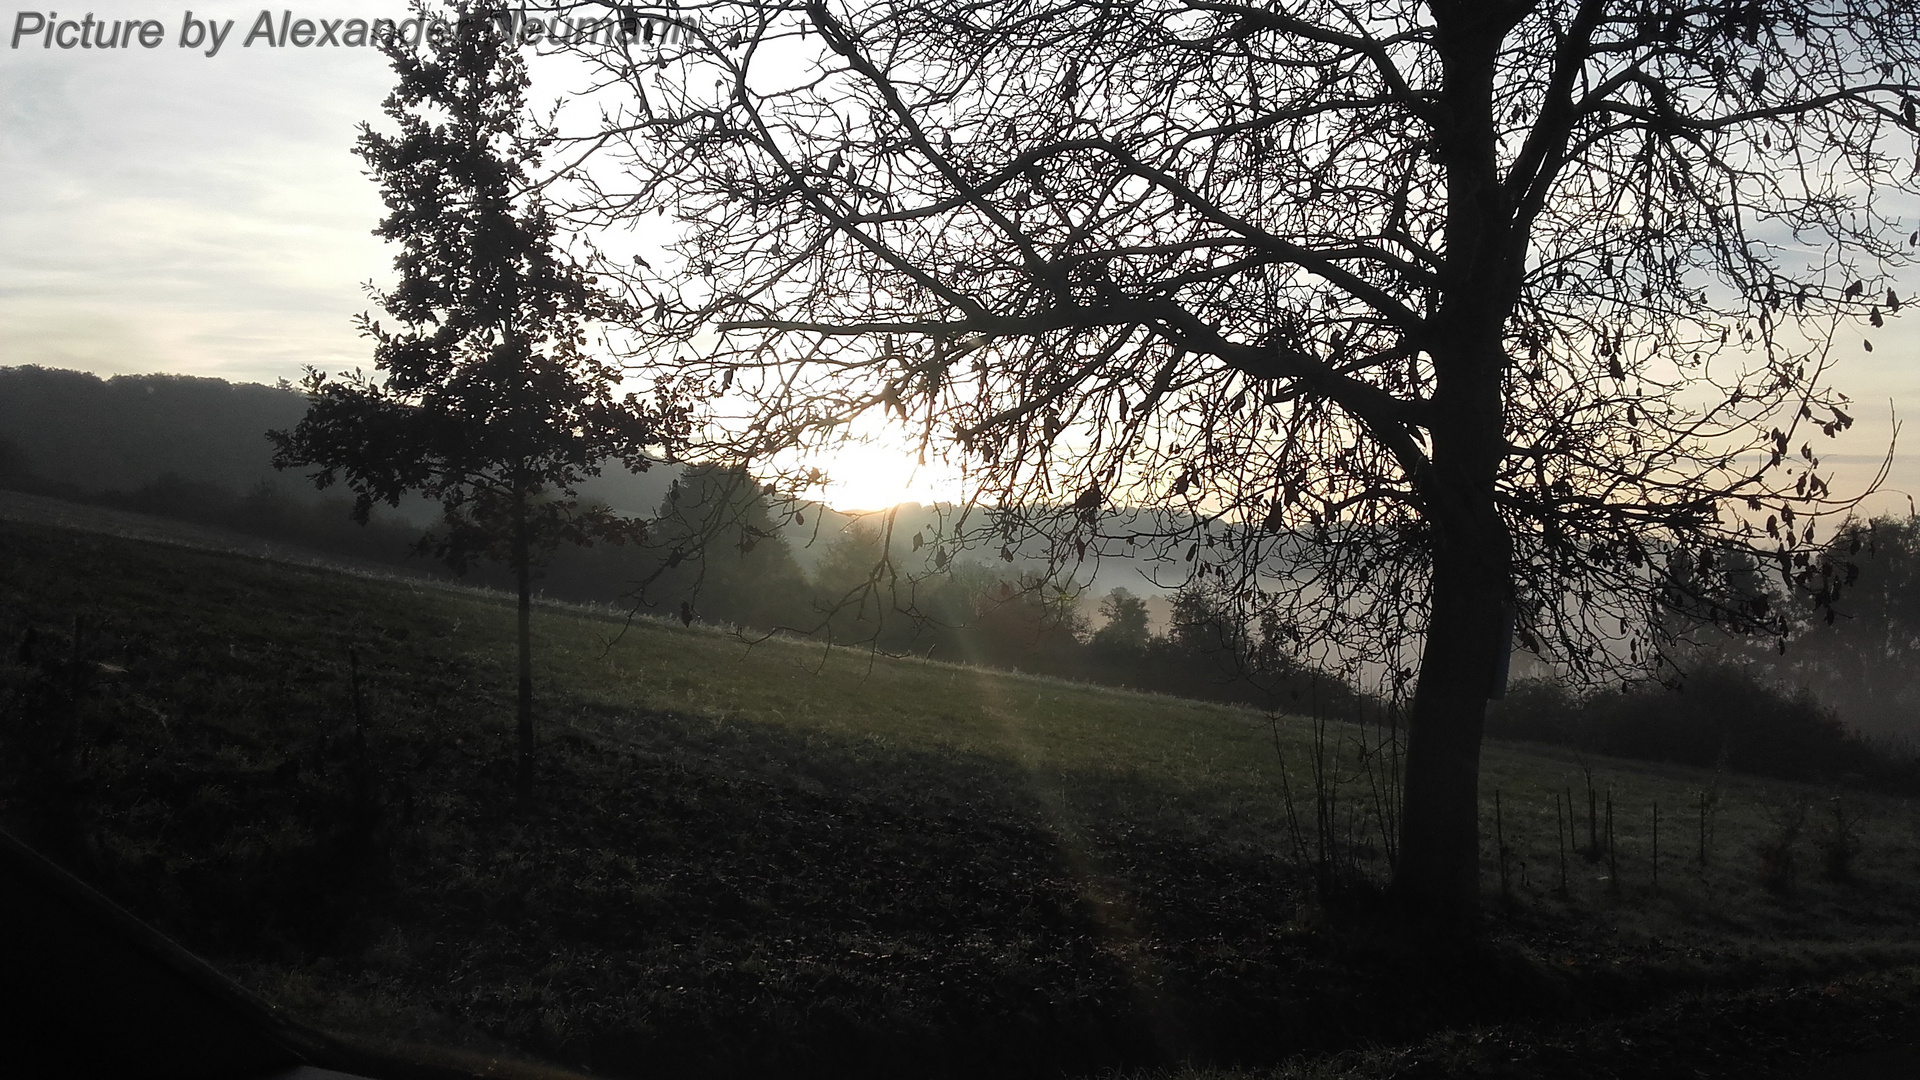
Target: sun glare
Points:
(874, 474)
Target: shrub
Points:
(1777, 862)
(1723, 715)
(1536, 710)
(1839, 841)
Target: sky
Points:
(167, 210)
(172, 211)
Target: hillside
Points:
(773, 859)
(194, 450)
(78, 433)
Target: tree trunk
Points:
(523, 577)
(1437, 877)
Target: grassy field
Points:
(771, 859)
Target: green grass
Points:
(754, 858)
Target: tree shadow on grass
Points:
(736, 899)
(684, 894)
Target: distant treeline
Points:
(194, 449)
(68, 431)
(983, 615)
(76, 435)
(1723, 715)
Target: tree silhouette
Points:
(1125, 629)
(1416, 325)
(716, 550)
(1862, 660)
(484, 400)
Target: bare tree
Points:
(1424, 325)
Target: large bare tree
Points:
(1431, 325)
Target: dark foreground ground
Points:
(695, 895)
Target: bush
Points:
(1722, 716)
(1839, 841)
(1536, 710)
(1778, 864)
(1725, 715)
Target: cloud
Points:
(171, 211)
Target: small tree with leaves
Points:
(484, 398)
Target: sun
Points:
(875, 473)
